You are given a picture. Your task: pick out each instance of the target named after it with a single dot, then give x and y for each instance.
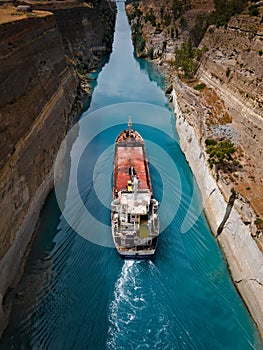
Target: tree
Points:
(184, 59)
(220, 153)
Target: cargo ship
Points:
(134, 211)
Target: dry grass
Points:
(8, 13)
(210, 99)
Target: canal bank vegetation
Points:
(173, 19)
(138, 39)
(220, 154)
(187, 59)
(214, 111)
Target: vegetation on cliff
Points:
(187, 58)
(172, 18)
(215, 47)
(220, 154)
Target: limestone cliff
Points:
(38, 89)
(233, 68)
(38, 101)
(218, 97)
(86, 28)
(223, 97)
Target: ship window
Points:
(144, 218)
(133, 218)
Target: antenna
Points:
(129, 123)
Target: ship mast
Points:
(129, 124)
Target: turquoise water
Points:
(77, 293)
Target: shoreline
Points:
(244, 259)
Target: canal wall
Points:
(244, 258)
(40, 99)
(38, 91)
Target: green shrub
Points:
(150, 53)
(137, 13)
(199, 29)
(185, 59)
(225, 9)
(150, 17)
(167, 20)
(253, 10)
(82, 66)
(210, 142)
(220, 153)
(200, 87)
(137, 38)
(162, 12)
(177, 8)
(183, 22)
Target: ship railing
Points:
(115, 207)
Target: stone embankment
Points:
(38, 103)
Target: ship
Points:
(134, 212)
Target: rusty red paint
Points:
(125, 158)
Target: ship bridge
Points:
(136, 203)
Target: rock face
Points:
(232, 71)
(244, 258)
(38, 90)
(228, 105)
(86, 28)
(89, 40)
(38, 101)
(233, 67)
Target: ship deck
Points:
(130, 156)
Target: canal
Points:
(77, 293)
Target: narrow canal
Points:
(77, 293)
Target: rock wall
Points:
(233, 67)
(231, 70)
(86, 28)
(223, 101)
(38, 89)
(244, 258)
(38, 102)
(87, 32)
